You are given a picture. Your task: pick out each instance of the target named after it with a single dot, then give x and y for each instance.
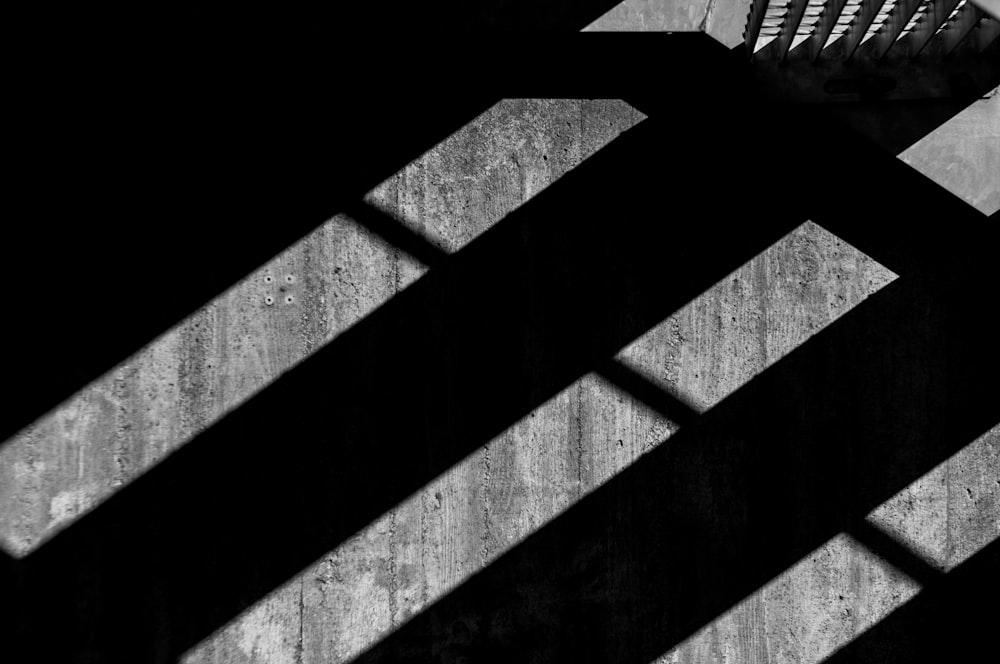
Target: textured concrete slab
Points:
(443, 534)
(653, 15)
(963, 155)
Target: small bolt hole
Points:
(268, 300)
(268, 279)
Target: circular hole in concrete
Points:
(268, 300)
(268, 279)
(288, 300)
(289, 278)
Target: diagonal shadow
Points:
(800, 453)
(159, 162)
(672, 406)
(952, 619)
(884, 209)
(482, 344)
(496, 633)
(577, 590)
(889, 548)
(533, 304)
(632, 570)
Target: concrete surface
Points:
(653, 15)
(963, 156)
(71, 460)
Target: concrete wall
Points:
(74, 458)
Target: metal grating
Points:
(870, 29)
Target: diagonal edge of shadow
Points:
(797, 455)
(231, 118)
(479, 342)
(158, 596)
(952, 619)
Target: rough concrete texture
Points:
(963, 155)
(725, 20)
(653, 15)
(805, 613)
(722, 19)
(124, 423)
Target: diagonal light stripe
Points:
(826, 620)
(805, 621)
(946, 620)
(449, 586)
(330, 566)
(893, 552)
(636, 140)
(658, 490)
(532, 468)
(57, 469)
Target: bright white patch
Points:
(67, 505)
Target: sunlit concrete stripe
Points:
(415, 553)
(807, 612)
(952, 619)
(952, 511)
(439, 537)
(843, 588)
(75, 457)
(578, 440)
(503, 159)
(895, 552)
(646, 16)
(963, 154)
(123, 424)
(263, 628)
(758, 315)
(451, 529)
